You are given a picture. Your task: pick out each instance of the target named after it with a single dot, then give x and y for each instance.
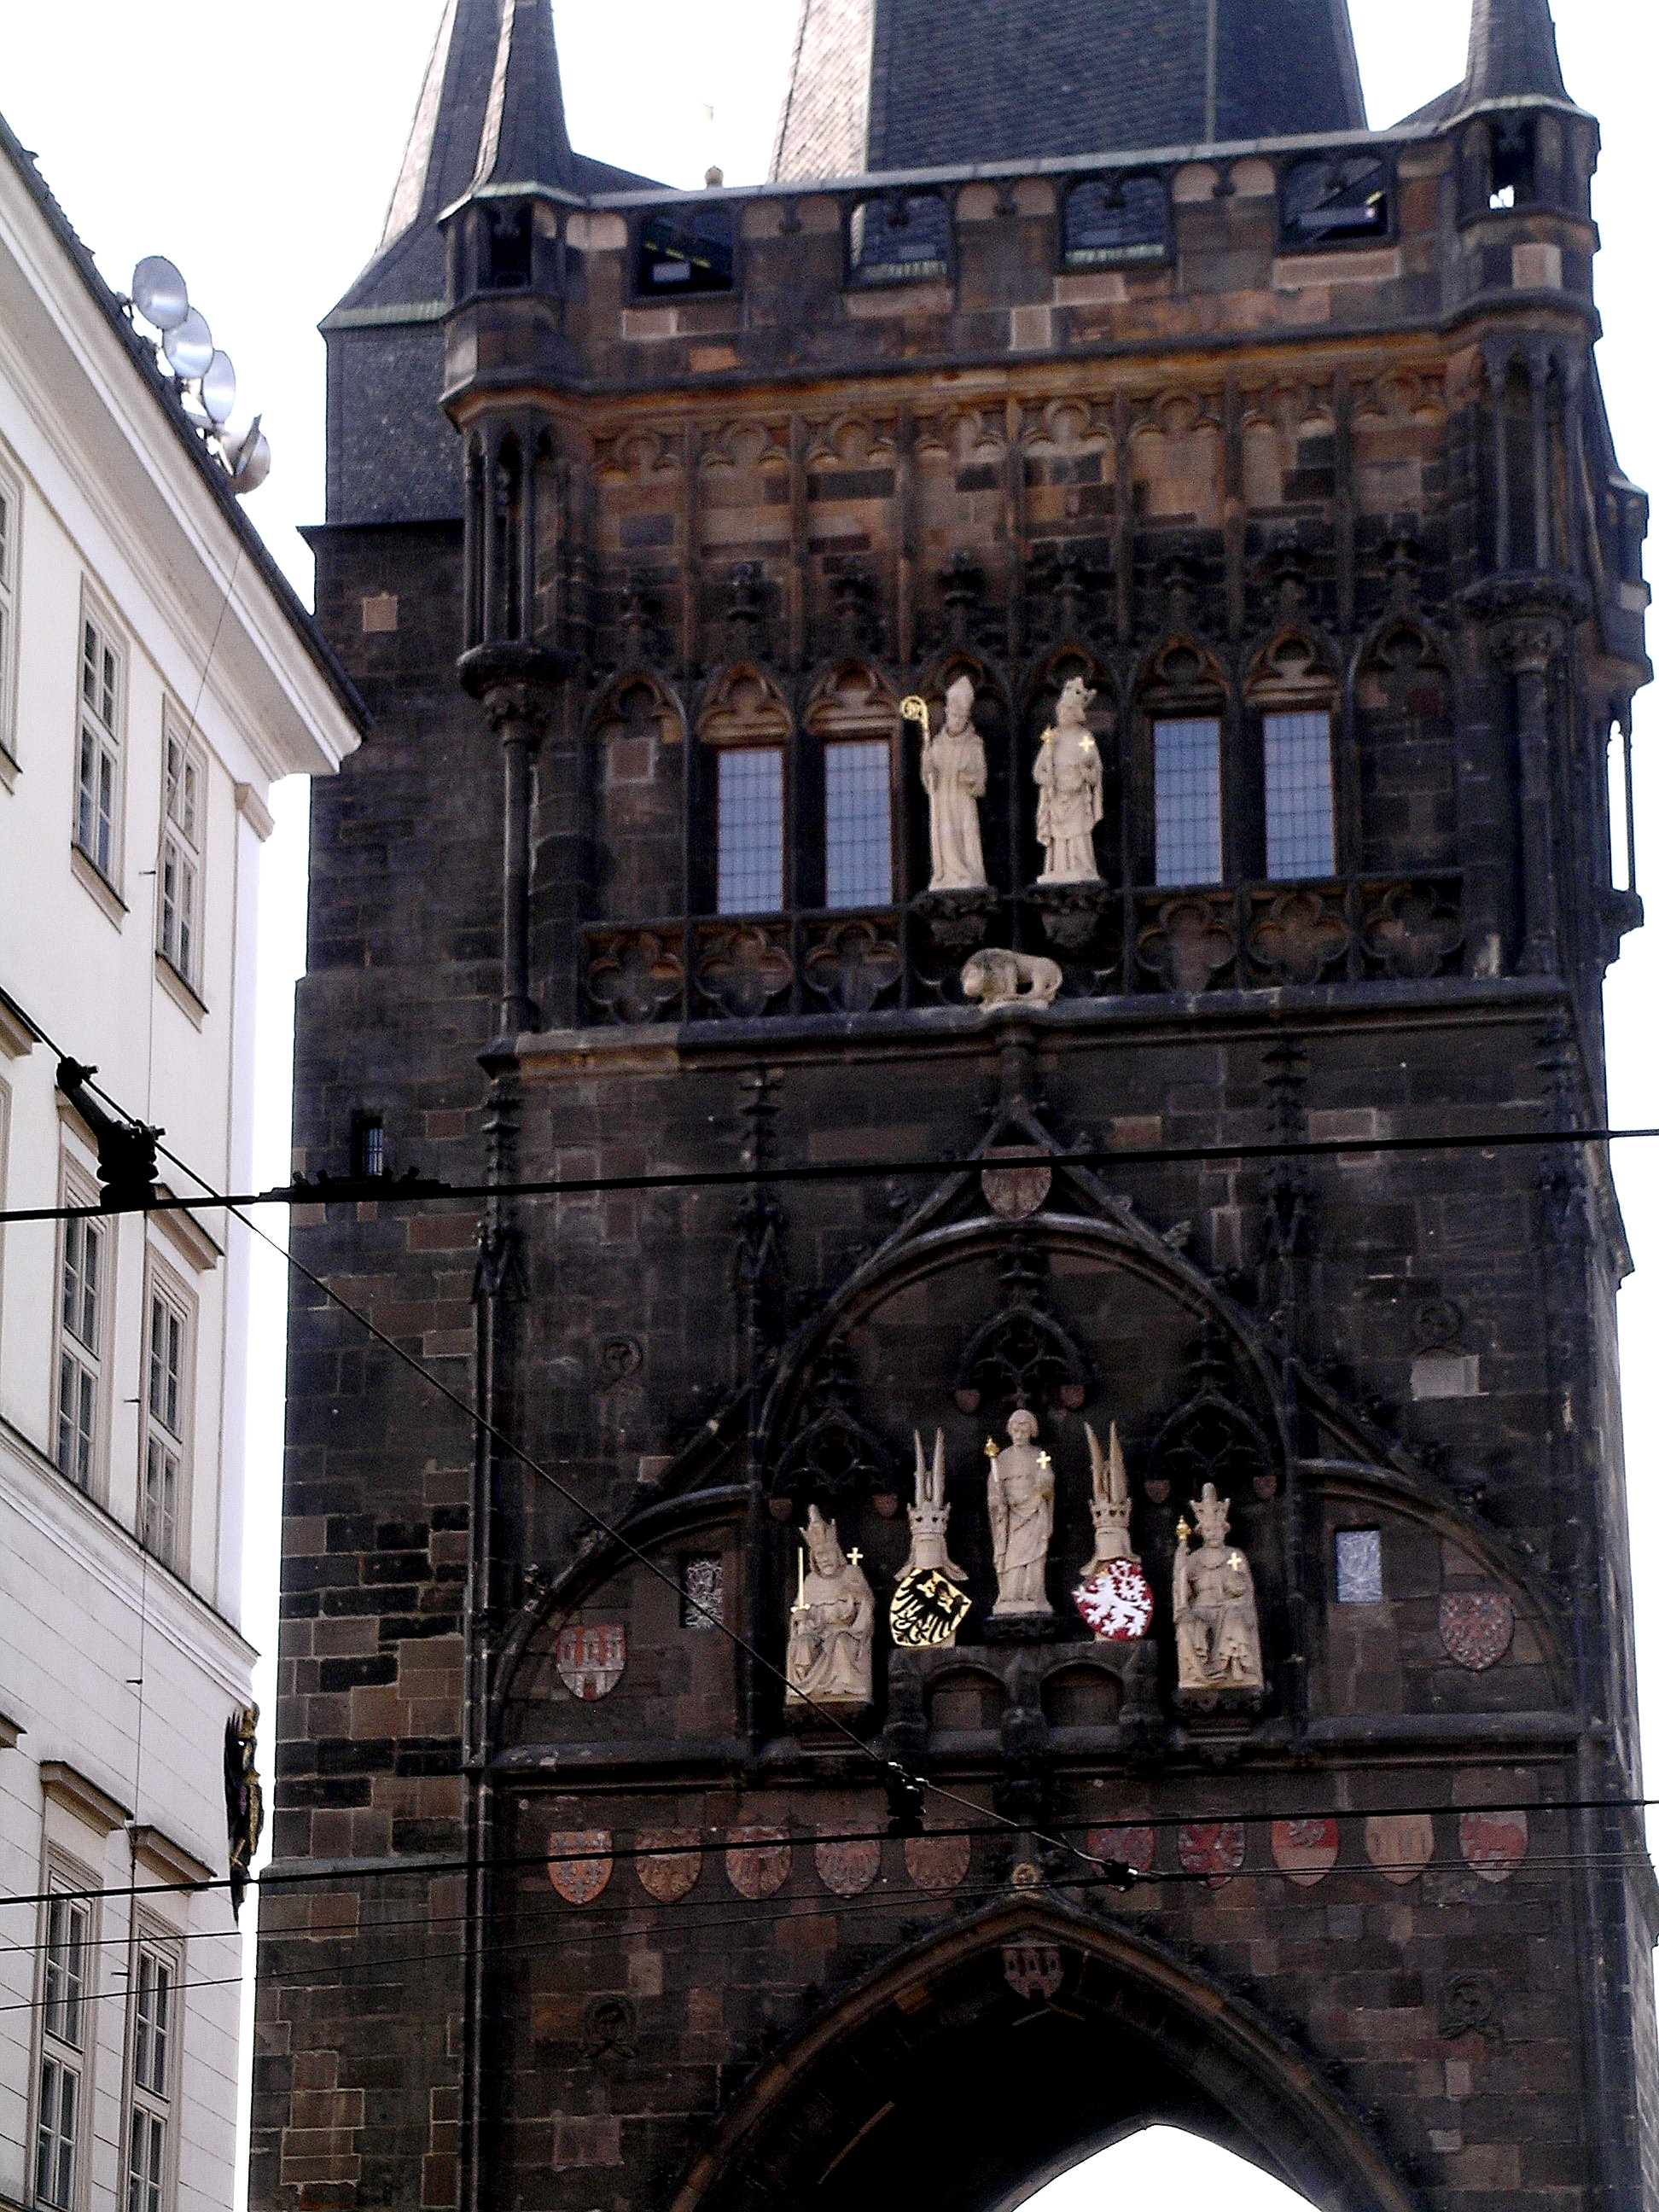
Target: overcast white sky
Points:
(257, 145)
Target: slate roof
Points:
(896, 84)
(1512, 52)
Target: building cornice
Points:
(110, 1552)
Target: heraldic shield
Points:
(927, 1609)
(590, 1659)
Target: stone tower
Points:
(1034, 693)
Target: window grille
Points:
(691, 249)
(1297, 764)
(858, 823)
(9, 521)
(80, 1352)
(751, 830)
(164, 1441)
(1359, 1566)
(152, 2040)
(62, 2021)
(1114, 220)
(899, 239)
(98, 774)
(702, 1592)
(183, 783)
(1186, 798)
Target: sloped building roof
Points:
(897, 84)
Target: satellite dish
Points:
(189, 346)
(159, 293)
(250, 462)
(219, 388)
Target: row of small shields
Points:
(1399, 1847)
(757, 1861)
(1493, 1842)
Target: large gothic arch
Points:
(938, 2081)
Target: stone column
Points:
(517, 684)
(1528, 620)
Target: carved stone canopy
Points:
(832, 1456)
(1022, 1354)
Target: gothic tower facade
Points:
(992, 756)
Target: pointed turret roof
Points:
(490, 117)
(905, 84)
(1512, 53)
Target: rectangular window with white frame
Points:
(11, 531)
(62, 2047)
(184, 791)
(82, 1319)
(168, 1349)
(152, 2042)
(98, 756)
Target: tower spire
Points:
(524, 140)
(1512, 53)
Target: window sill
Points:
(104, 892)
(10, 770)
(179, 991)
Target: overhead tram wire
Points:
(914, 1784)
(417, 1190)
(753, 1915)
(714, 1842)
(744, 1178)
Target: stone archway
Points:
(975, 2068)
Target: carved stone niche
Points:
(1022, 1355)
(832, 1457)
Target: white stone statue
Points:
(832, 1624)
(997, 977)
(1020, 1498)
(1217, 1635)
(1109, 1505)
(1069, 777)
(930, 1517)
(953, 774)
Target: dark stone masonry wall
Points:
(590, 1918)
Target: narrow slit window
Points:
(152, 2081)
(181, 856)
(1186, 798)
(751, 830)
(1297, 765)
(80, 1349)
(164, 1441)
(62, 2037)
(98, 766)
(858, 823)
(8, 512)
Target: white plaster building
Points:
(156, 676)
